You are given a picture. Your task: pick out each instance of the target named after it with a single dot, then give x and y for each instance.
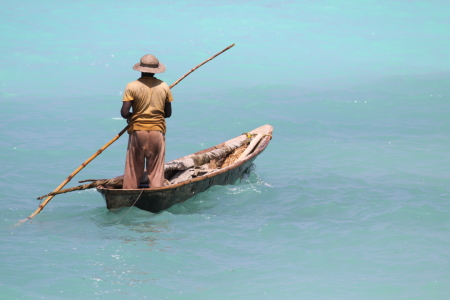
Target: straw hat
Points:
(149, 64)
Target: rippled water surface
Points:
(349, 201)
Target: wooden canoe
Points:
(225, 171)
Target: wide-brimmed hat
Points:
(149, 64)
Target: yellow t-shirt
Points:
(149, 96)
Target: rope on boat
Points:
(120, 219)
(252, 135)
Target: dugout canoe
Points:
(221, 171)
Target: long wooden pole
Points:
(44, 203)
(195, 68)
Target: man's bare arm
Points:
(125, 111)
(167, 110)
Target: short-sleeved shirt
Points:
(149, 96)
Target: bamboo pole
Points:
(43, 204)
(195, 68)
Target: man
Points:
(151, 100)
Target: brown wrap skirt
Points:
(145, 148)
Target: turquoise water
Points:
(349, 201)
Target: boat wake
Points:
(249, 181)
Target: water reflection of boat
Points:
(219, 165)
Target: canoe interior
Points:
(217, 172)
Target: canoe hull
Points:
(158, 199)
